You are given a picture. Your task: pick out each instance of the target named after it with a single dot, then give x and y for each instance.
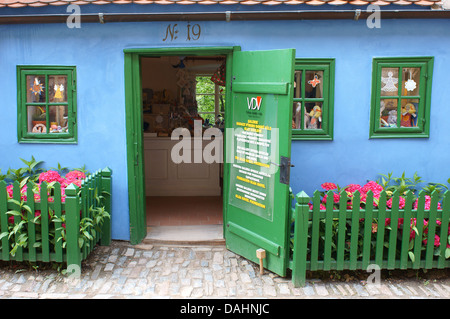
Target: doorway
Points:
(182, 92)
(184, 195)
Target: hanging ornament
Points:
(314, 81)
(37, 87)
(410, 85)
(219, 76)
(389, 82)
(58, 91)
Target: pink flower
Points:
(401, 203)
(353, 188)
(75, 175)
(427, 203)
(9, 190)
(329, 186)
(373, 186)
(50, 176)
(437, 241)
(336, 198)
(322, 207)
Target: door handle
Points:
(281, 165)
(285, 169)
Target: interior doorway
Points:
(183, 201)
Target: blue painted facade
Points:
(97, 52)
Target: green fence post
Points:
(105, 238)
(300, 239)
(73, 230)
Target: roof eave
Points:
(226, 16)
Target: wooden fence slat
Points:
(392, 250)
(17, 219)
(444, 229)
(431, 231)
(301, 214)
(31, 223)
(72, 229)
(419, 227)
(58, 213)
(45, 249)
(367, 230)
(4, 219)
(354, 230)
(106, 193)
(315, 231)
(342, 229)
(84, 209)
(406, 231)
(380, 229)
(328, 231)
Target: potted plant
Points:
(39, 117)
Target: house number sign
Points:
(190, 32)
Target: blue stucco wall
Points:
(97, 52)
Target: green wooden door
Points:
(258, 147)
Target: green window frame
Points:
(401, 97)
(46, 110)
(307, 96)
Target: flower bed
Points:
(76, 217)
(391, 223)
(376, 190)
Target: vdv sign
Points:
(254, 103)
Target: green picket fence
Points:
(64, 233)
(414, 236)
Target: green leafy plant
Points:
(30, 172)
(17, 232)
(402, 183)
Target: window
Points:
(401, 92)
(313, 99)
(46, 104)
(210, 99)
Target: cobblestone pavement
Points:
(125, 271)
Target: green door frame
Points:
(134, 133)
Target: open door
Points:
(258, 150)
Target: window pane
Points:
(57, 85)
(298, 84)
(35, 88)
(410, 81)
(313, 116)
(389, 81)
(296, 115)
(314, 84)
(388, 113)
(204, 85)
(409, 113)
(36, 119)
(58, 118)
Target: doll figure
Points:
(408, 115)
(392, 118)
(316, 117)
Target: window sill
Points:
(47, 141)
(311, 138)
